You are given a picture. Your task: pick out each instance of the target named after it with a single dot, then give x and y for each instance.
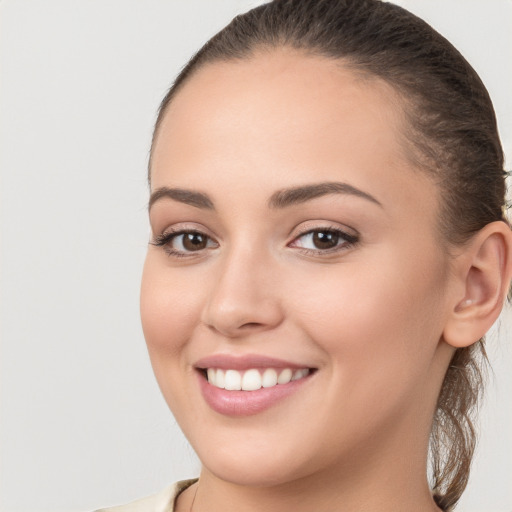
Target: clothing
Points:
(164, 501)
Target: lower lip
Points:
(246, 403)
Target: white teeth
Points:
(233, 380)
(300, 373)
(252, 380)
(269, 378)
(219, 379)
(285, 376)
(297, 374)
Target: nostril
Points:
(251, 324)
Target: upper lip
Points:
(245, 362)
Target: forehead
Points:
(281, 94)
(283, 117)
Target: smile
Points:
(253, 379)
(249, 384)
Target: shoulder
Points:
(161, 502)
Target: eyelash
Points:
(164, 240)
(348, 240)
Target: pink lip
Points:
(245, 362)
(246, 403)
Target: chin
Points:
(267, 473)
(260, 462)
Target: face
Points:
(291, 237)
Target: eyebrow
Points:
(296, 195)
(280, 199)
(191, 197)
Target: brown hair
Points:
(453, 136)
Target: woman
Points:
(328, 249)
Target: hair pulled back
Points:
(452, 134)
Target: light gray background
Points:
(82, 421)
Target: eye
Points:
(182, 243)
(324, 240)
(189, 241)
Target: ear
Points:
(483, 273)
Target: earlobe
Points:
(485, 270)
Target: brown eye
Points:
(184, 243)
(193, 241)
(325, 239)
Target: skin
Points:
(369, 317)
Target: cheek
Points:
(169, 307)
(374, 317)
(379, 335)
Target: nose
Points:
(244, 296)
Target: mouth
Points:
(247, 385)
(253, 378)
